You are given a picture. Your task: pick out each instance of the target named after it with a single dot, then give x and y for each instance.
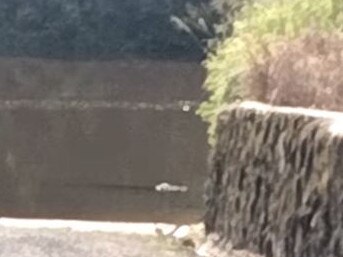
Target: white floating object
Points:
(166, 187)
(186, 108)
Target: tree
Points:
(97, 28)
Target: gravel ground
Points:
(65, 242)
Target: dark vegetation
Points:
(103, 29)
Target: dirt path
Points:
(64, 242)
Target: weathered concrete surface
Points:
(276, 181)
(41, 238)
(19, 242)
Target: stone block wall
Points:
(275, 185)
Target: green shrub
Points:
(259, 24)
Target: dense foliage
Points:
(302, 72)
(258, 26)
(98, 28)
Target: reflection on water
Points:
(50, 104)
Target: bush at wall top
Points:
(260, 23)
